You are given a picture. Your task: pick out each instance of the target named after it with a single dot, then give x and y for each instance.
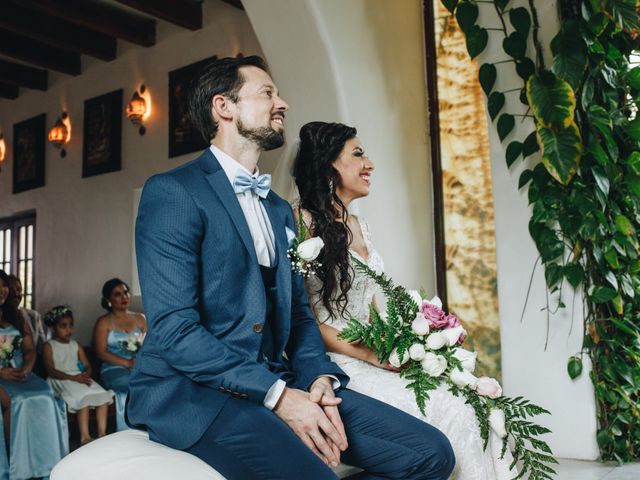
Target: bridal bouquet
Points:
(417, 336)
(9, 344)
(133, 343)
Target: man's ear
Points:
(221, 107)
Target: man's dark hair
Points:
(217, 77)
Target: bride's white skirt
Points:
(445, 411)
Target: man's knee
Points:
(441, 461)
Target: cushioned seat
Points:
(130, 454)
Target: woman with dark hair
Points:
(117, 336)
(35, 423)
(331, 170)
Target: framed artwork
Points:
(28, 153)
(102, 136)
(183, 136)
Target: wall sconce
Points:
(60, 133)
(138, 109)
(3, 149)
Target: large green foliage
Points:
(585, 191)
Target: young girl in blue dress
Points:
(117, 336)
(69, 373)
(35, 423)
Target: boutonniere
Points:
(303, 253)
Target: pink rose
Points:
(452, 320)
(488, 387)
(434, 315)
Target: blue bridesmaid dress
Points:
(115, 377)
(39, 431)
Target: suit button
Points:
(257, 328)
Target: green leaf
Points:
(515, 45)
(602, 294)
(525, 68)
(552, 274)
(506, 122)
(633, 162)
(450, 4)
(624, 225)
(525, 177)
(574, 367)
(552, 100)
(601, 120)
(487, 75)
(466, 14)
(569, 54)
(495, 104)
(633, 77)
(574, 273)
(514, 149)
(477, 39)
(597, 23)
(602, 181)
(521, 20)
(598, 153)
(634, 129)
(530, 145)
(587, 93)
(611, 257)
(561, 151)
(633, 182)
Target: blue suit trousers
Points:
(247, 441)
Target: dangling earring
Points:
(109, 303)
(331, 186)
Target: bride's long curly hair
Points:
(320, 146)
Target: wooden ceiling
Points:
(48, 35)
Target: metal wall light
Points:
(3, 149)
(60, 133)
(138, 109)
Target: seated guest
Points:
(35, 422)
(117, 337)
(38, 329)
(70, 374)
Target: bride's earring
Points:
(331, 186)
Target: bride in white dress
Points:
(331, 170)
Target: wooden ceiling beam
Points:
(38, 53)
(57, 32)
(8, 91)
(101, 17)
(23, 76)
(185, 13)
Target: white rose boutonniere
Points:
(304, 253)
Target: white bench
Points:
(130, 454)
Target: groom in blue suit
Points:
(233, 368)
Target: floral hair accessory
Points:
(56, 313)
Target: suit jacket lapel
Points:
(222, 188)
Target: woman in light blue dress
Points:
(117, 337)
(35, 422)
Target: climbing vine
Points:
(583, 177)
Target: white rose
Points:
(467, 358)
(453, 334)
(420, 325)
(395, 360)
(417, 351)
(436, 341)
(415, 296)
(433, 364)
(436, 301)
(463, 378)
(310, 249)
(497, 423)
(8, 347)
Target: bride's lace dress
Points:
(448, 413)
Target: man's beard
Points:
(265, 137)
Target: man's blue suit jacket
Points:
(205, 302)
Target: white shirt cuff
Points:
(274, 394)
(335, 383)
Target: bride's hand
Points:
(372, 358)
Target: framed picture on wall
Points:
(183, 136)
(102, 136)
(28, 153)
